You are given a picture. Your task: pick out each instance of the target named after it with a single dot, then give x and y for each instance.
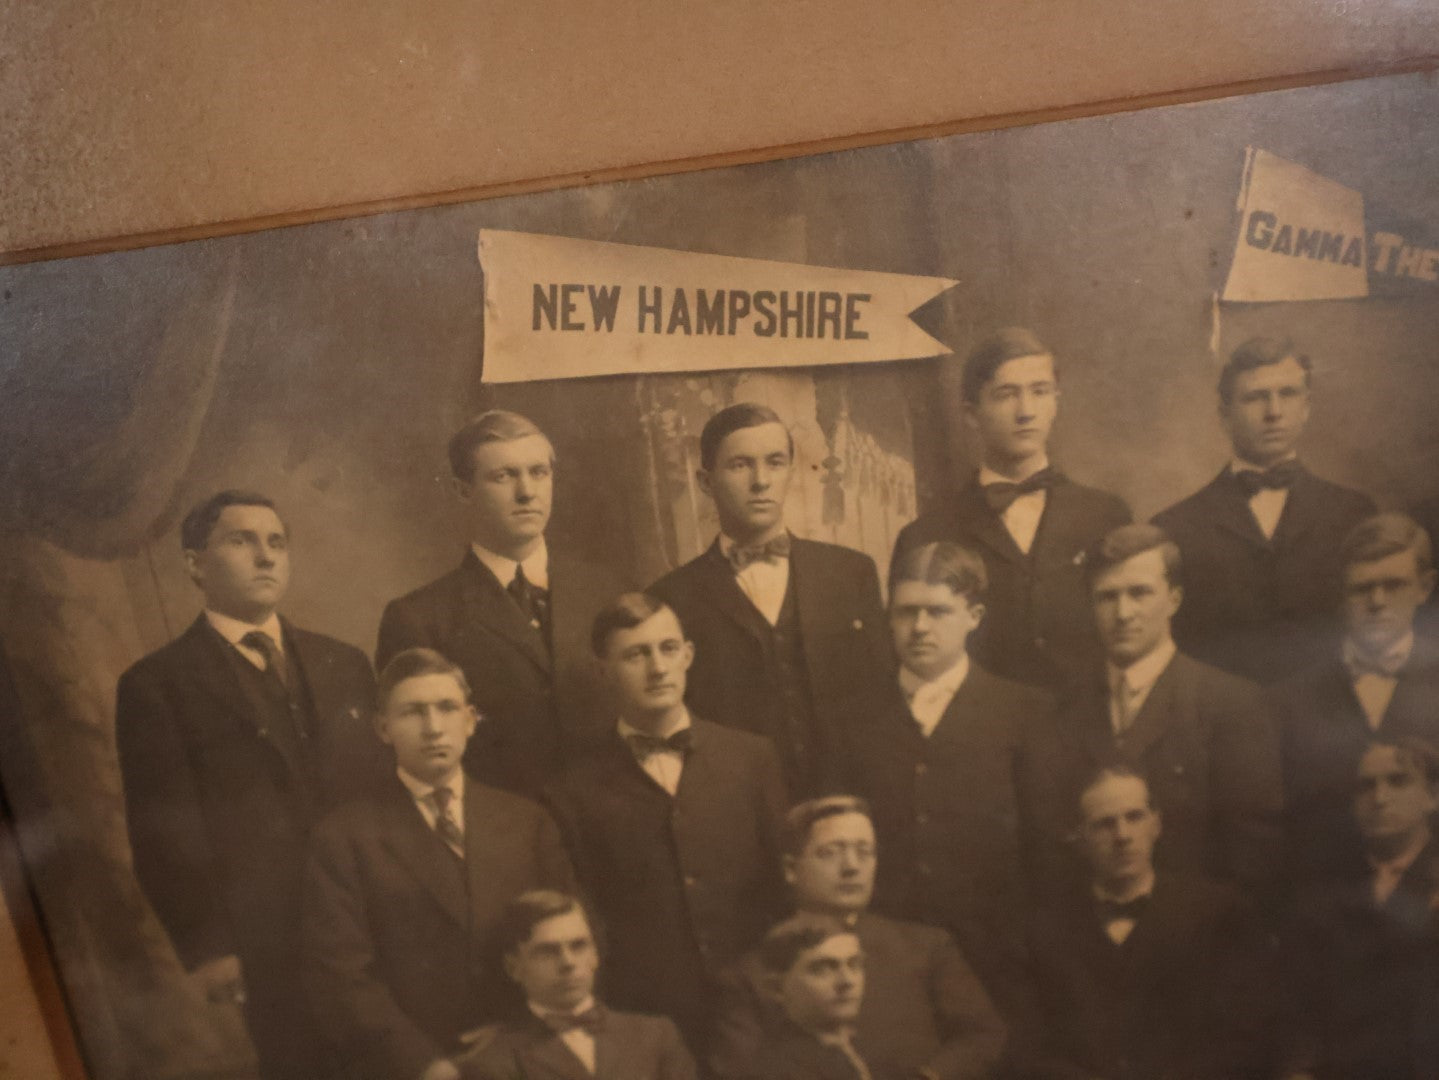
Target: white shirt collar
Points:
(421, 790)
(626, 728)
(949, 681)
(989, 476)
(542, 1012)
(1144, 672)
(232, 630)
(536, 564)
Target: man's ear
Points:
(512, 968)
(192, 564)
(689, 653)
(381, 731)
(1176, 599)
(976, 612)
(1426, 582)
(771, 985)
(461, 489)
(702, 478)
(786, 867)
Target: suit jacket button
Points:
(1040, 642)
(920, 769)
(858, 624)
(690, 881)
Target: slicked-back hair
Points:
(1414, 751)
(1382, 535)
(411, 664)
(801, 819)
(1124, 543)
(787, 941)
(497, 425)
(624, 612)
(745, 414)
(942, 562)
(200, 522)
(1259, 352)
(994, 352)
(522, 914)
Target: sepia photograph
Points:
(954, 609)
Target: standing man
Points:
(1142, 972)
(1382, 682)
(563, 1032)
(926, 1016)
(232, 740)
(787, 631)
(1261, 540)
(673, 824)
(514, 616)
(1030, 521)
(406, 889)
(1204, 737)
(941, 761)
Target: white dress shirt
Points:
(580, 1040)
(232, 630)
(1021, 517)
(536, 564)
(1129, 687)
(764, 581)
(1118, 930)
(1266, 504)
(663, 766)
(424, 797)
(928, 699)
(1374, 688)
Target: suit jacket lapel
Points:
(717, 578)
(1156, 714)
(986, 526)
(411, 841)
(547, 1057)
(1302, 508)
(1231, 510)
(486, 601)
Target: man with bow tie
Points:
(233, 739)
(673, 824)
(1261, 540)
(1031, 523)
(514, 615)
(563, 1032)
(1141, 972)
(1381, 682)
(786, 631)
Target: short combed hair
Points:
(994, 352)
(745, 414)
(521, 915)
(624, 612)
(1259, 352)
(801, 819)
(1124, 543)
(200, 522)
(1384, 534)
(942, 563)
(1414, 751)
(786, 942)
(1113, 769)
(497, 425)
(411, 664)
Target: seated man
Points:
(405, 889)
(814, 973)
(673, 824)
(1364, 949)
(1142, 973)
(550, 951)
(926, 1014)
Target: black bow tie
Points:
(592, 1019)
(1113, 910)
(770, 551)
(1001, 494)
(1276, 477)
(642, 745)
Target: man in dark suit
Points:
(1382, 682)
(1203, 737)
(1364, 947)
(673, 825)
(1031, 523)
(515, 616)
(940, 760)
(1142, 973)
(405, 888)
(563, 1033)
(926, 1014)
(787, 631)
(1261, 540)
(232, 740)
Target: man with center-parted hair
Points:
(1142, 972)
(562, 1032)
(406, 888)
(673, 823)
(1381, 682)
(1204, 737)
(233, 739)
(926, 1014)
(1031, 522)
(941, 759)
(515, 616)
(1261, 540)
(787, 631)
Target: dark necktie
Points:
(444, 825)
(642, 746)
(534, 601)
(1276, 477)
(1113, 910)
(265, 645)
(1001, 494)
(591, 1020)
(769, 551)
